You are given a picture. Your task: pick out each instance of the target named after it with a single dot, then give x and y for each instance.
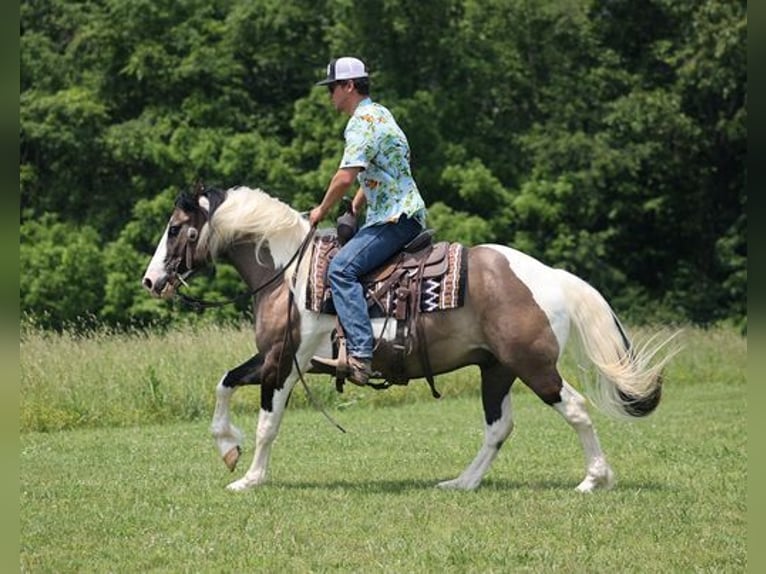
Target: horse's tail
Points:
(628, 381)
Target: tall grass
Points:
(102, 378)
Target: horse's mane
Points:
(253, 215)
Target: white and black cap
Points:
(345, 68)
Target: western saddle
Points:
(394, 290)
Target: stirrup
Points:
(342, 370)
(326, 365)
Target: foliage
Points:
(605, 136)
(61, 267)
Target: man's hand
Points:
(317, 214)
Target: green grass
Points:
(136, 483)
(153, 499)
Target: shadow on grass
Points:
(408, 485)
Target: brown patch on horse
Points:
(499, 323)
(514, 326)
(272, 309)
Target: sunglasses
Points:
(331, 87)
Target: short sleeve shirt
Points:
(376, 143)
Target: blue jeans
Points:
(369, 248)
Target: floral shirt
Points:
(376, 143)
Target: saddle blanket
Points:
(445, 291)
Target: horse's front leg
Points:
(227, 437)
(278, 377)
(273, 403)
(496, 381)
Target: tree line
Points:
(607, 137)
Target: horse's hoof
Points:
(245, 483)
(231, 458)
(603, 482)
(238, 486)
(456, 484)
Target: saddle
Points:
(403, 275)
(423, 277)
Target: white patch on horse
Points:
(156, 268)
(227, 437)
(384, 329)
(495, 435)
(545, 287)
(598, 474)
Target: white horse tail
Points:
(628, 381)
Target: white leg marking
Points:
(226, 435)
(494, 437)
(269, 421)
(268, 427)
(572, 407)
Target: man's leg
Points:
(367, 250)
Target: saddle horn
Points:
(346, 225)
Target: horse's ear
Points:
(199, 188)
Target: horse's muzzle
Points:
(159, 286)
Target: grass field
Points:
(105, 496)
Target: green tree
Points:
(605, 136)
(61, 271)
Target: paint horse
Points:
(514, 324)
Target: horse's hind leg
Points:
(572, 407)
(496, 384)
(546, 382)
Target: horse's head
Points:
(183, 247)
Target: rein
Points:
(199, 304)
(289, 337)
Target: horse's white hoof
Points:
(587, 485)
(231, 458)
(457, 484)
(604, 481)
(240, 485)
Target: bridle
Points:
(197, 304)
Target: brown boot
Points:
(360, 370)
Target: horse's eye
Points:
(174, 230)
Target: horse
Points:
(514, 323)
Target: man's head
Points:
(348, 82)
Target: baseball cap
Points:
(345, 68)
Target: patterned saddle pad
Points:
(442, 285)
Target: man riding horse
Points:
(377, 155)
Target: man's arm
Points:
(339, 184)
